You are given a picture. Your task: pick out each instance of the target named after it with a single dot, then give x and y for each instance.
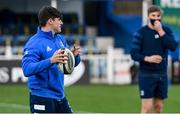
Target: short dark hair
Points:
(47, 12)
(154, 8)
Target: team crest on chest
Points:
(48, 49)
(156, 36)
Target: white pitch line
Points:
(16, 106)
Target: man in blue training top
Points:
(39, 64)
(150, 47)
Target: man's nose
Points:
(157, 17)
(61, 22)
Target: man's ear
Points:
(50, 21)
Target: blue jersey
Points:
(147, 42)
(44, 78)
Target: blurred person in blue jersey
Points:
(150, 47)
(39, 64)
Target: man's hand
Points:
(153, 59)
(158, 27)
(75, 50)
(59, 57)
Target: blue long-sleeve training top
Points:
(147, 42)
(44, 78)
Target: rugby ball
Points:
(68, 67)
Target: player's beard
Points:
(152, 21)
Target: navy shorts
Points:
(152, 85)
(48, 105)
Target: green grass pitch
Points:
(89, 98)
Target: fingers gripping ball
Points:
(68, 67)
